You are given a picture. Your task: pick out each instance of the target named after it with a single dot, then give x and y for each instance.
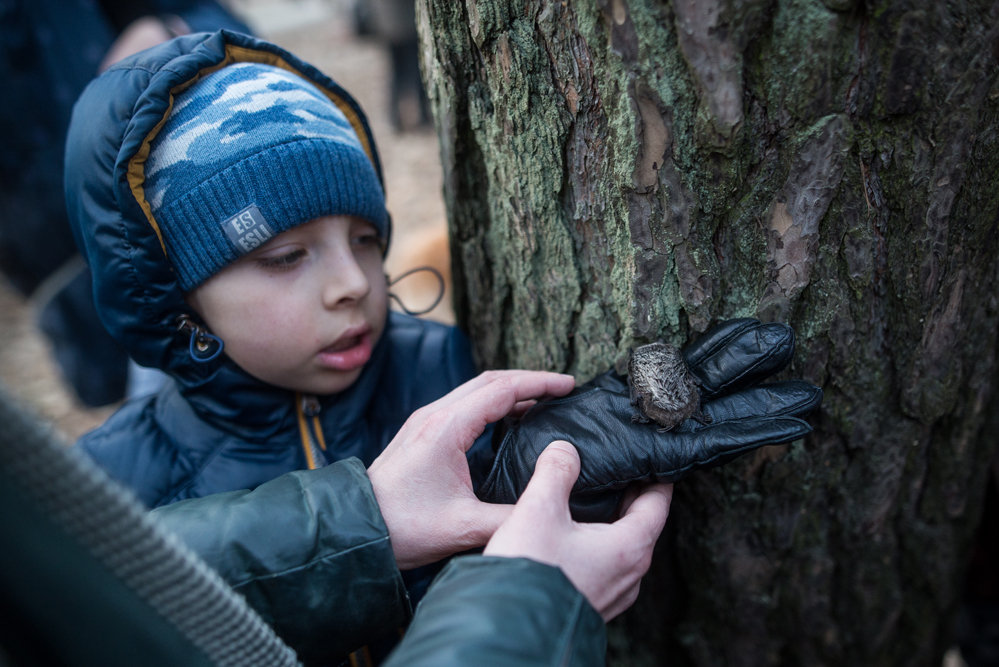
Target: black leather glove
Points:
(729, 361)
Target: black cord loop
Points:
(440, 294)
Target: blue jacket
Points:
(216, 428)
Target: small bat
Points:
(663, 388)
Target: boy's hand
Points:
(421, 480)
(606, 562)
(728, 361)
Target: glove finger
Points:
(610, 381)
(614, 451)
(715, 338)
(794, 398)
(717, 445)
(613, 448)
(739, 356)
(676, 457)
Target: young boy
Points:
(228, 198)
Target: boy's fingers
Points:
(647, 514)
(554, 476)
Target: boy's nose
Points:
(345, 282)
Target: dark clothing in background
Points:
(49, 51)
(394, 23)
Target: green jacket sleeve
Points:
(309, 551)
(502, 612)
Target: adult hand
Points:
(421, 480)
(606, 562)
(615, 452)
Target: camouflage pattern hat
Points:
(246, 153)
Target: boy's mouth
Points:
(344, 344)
(350, 351)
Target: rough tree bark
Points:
(618, 171)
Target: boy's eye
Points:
(368, 241)
(284, 261)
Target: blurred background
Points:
(367, 46)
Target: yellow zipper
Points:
(307, 406)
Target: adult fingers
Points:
(547, 494)
(478, 520)
(630, 493)
(494, 400)
(646, 516)
(738, 354)
(557, 383)
(795, 398)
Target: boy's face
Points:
(303, 311)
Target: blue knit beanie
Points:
(246, 153)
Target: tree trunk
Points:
(619, 171)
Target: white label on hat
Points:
(248, 229)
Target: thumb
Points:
(554, 475)
(481, 520)
(647, 514)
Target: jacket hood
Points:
(136, 291)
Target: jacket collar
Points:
(235, 402)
